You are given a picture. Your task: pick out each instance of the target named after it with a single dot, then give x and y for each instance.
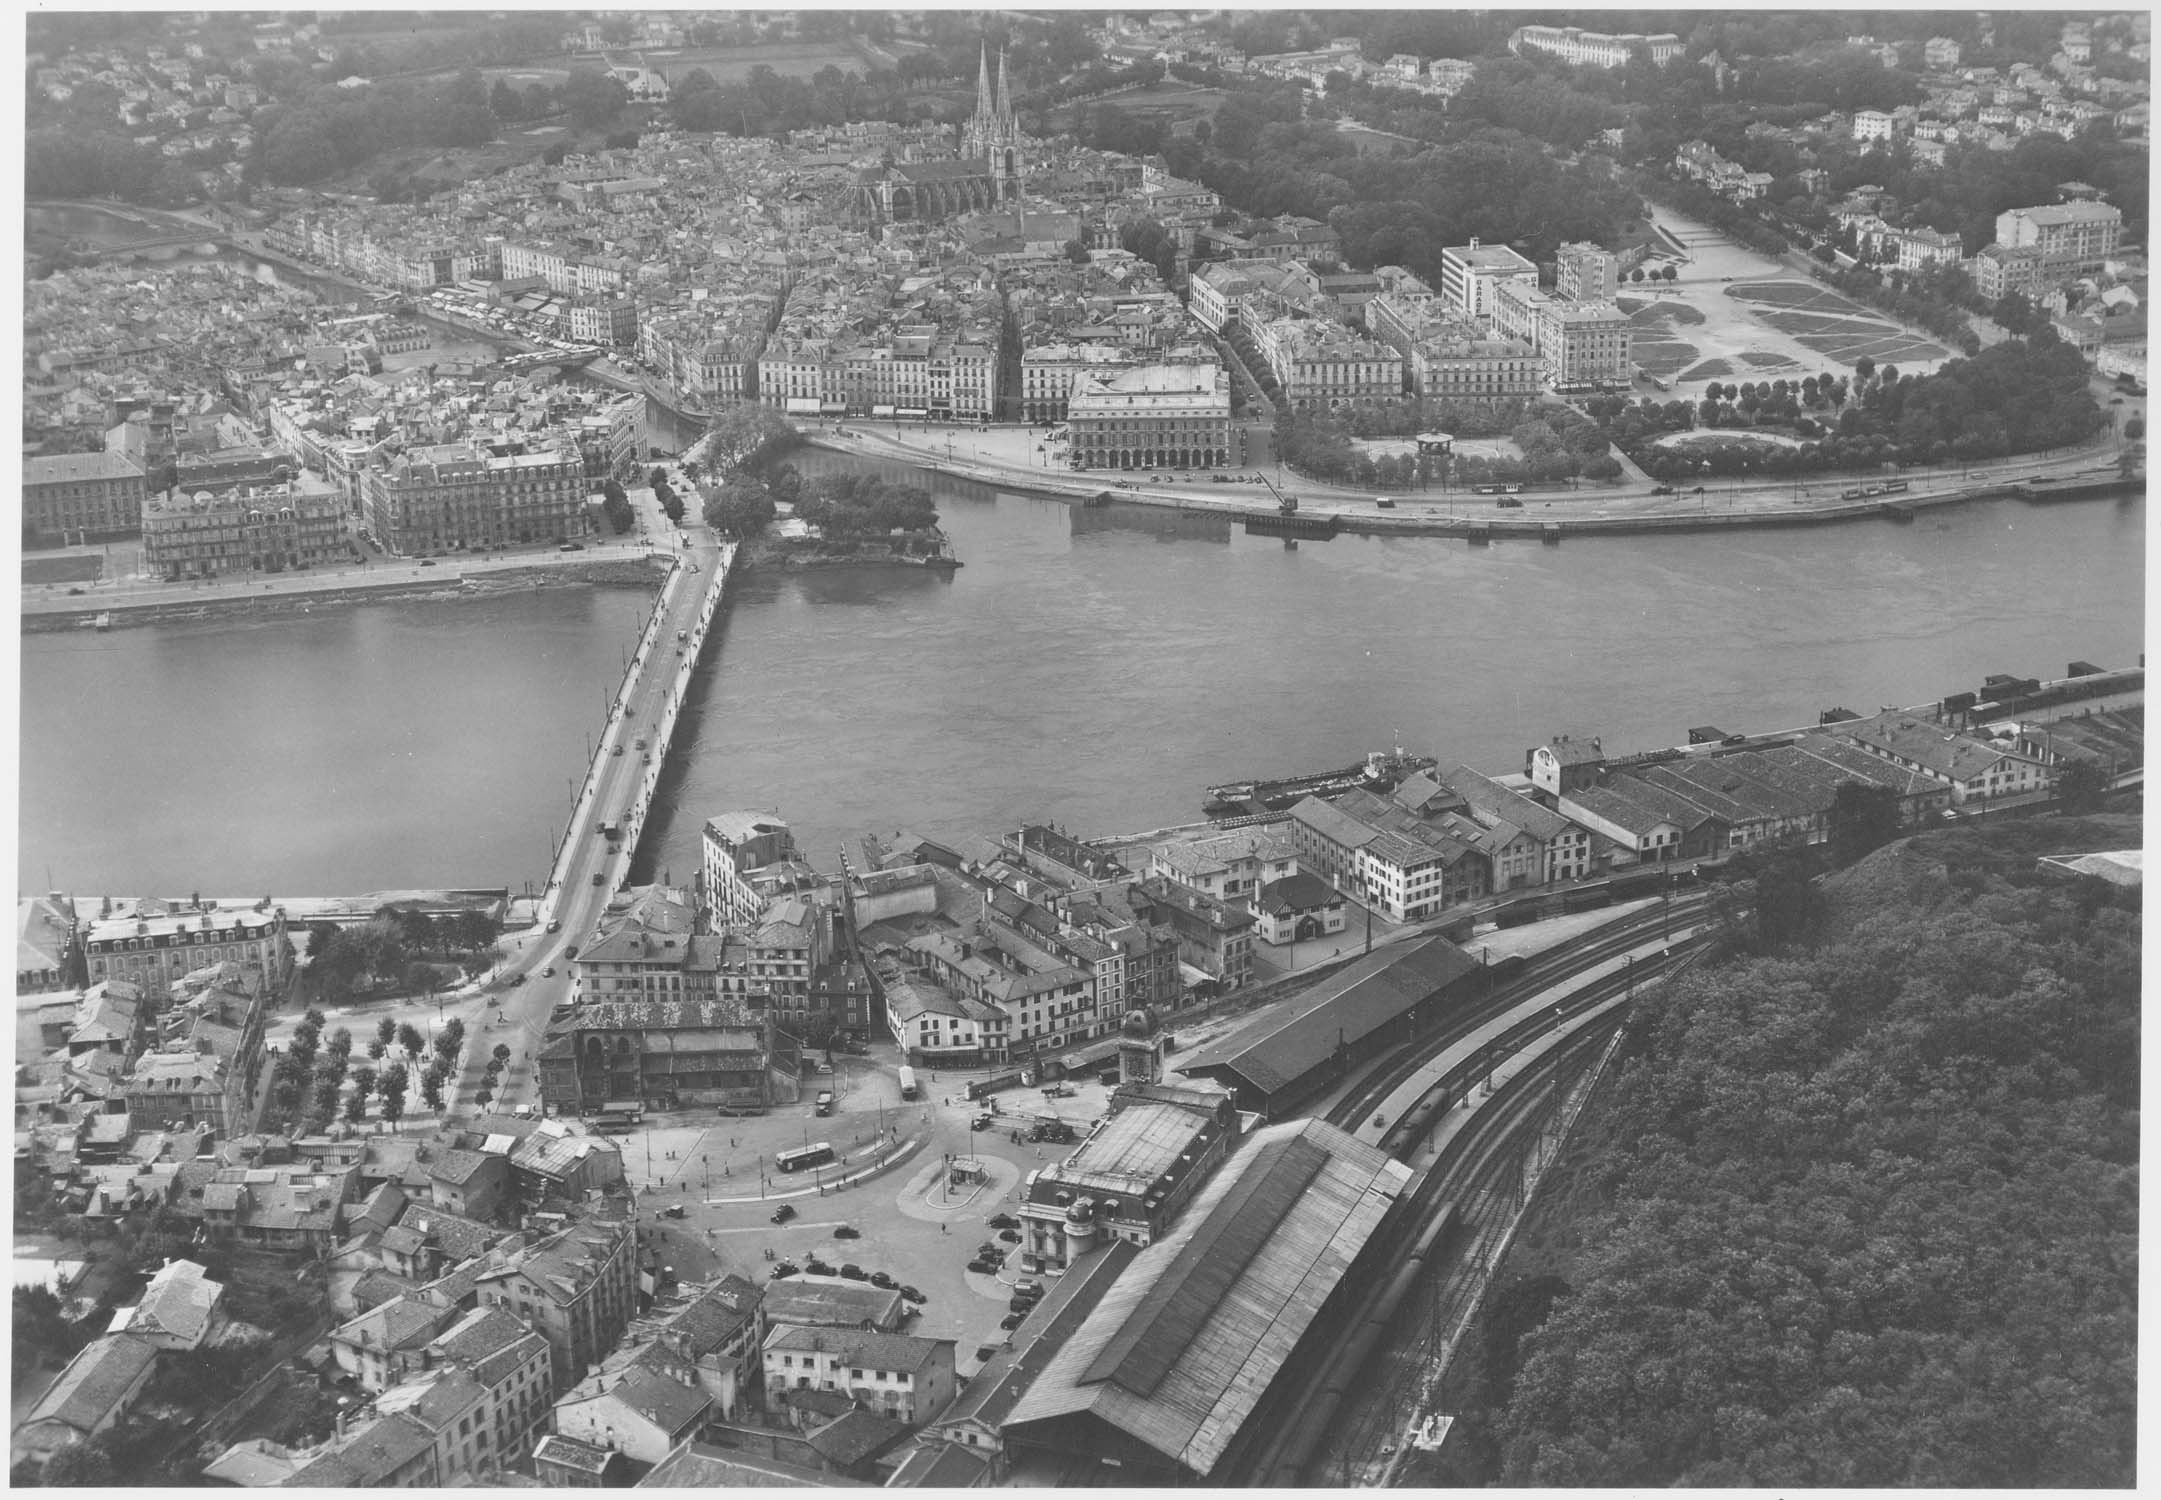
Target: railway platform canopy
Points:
(1277, 1063)
(1161, 1376)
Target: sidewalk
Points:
(1021, 457)
(137, 592)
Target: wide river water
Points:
(1089, 668)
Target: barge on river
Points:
(1381, 771)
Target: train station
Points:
(1376, 1003)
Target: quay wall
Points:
(1501, 524)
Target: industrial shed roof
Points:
(1273, 1053)
(1182, 1347)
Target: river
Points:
(1094, 668)
(353, 748)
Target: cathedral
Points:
(986, 173)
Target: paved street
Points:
(913, 1225)
(515, 1006)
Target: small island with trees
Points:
(789, 519)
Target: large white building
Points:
(1596, 49)
(2084, 233)
(1154, 416)
(1469, 273)
(1583, 344)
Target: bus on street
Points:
(802, 1157)
(907, 1082)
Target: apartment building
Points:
(577, 1288)
(451, 495)
(1583, 345)
(1586, 273)
(156, 944)
(75, 496)
(259, 529)
(1448, 357)
(1320, 365)
(897, 1375)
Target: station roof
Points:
(1275, 1052)
(1183, 1346)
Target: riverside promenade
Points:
(1020, 458)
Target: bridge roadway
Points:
(618, 789)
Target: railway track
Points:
(1301, 1436)
(1523, 1085)
(1534, 975)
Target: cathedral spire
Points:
(1005, 95)
(982, 89)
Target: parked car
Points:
(555, 927)
(1020, 1305)
(786, 1268)
(910, 1294)
(1509, 502)
(980, 1122)
(427, 562)
(981, 1267)
(571, 951)
(1009, 1322)
(987, 1352)
(988, 1249)
(784, 1213)
(673, 1211)
(548, 972)
(1027, 1288)
(847, 1232)
(817, 1267)
(884, 1280)
(1010, 1236)
(1004, 1221)
(853, 1272)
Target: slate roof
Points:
(857, 1346)
(181, 1301)
(572, 1454)
(1494, 800)
(1334, 826)
(715, 1315)
(828, 1301)
(939, 1466)
(369, 1457)
(1297, 893)
(855, 1435)
(703, 1466)
(668, 1404)
(83, 1395)
(1282, 1047)
(406, 1323)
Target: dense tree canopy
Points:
(1875, 1206)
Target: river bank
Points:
(1596, 513)
(644, 572)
